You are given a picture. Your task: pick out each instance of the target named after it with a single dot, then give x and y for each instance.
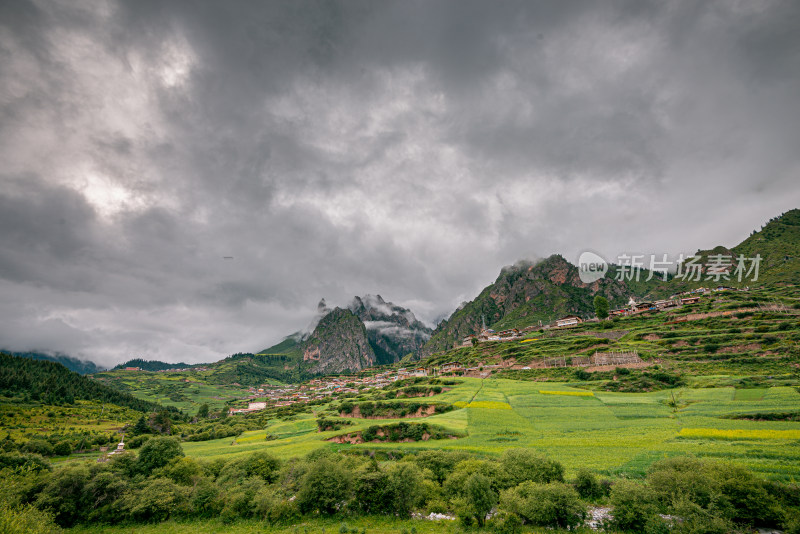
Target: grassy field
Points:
(185, 390)
(21, 421)
(613, 433)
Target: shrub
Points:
(64, 495)
(371, 495)
(476, 500)
(522, 465)
(555, 505)
(440, 463)
(183, 471)
(239, 499)
(157, 452)
(325, 487)
(104, 489)
(263, 465)
(505, 522)
(137, 441)
(25, 520)
(582, 374)
(62, 448)
(270, 507)
(634, 505)
(38, 446)
(205, 499)
(155, 500)
(698, 520)
(713, 489)
(455, 484)
(587, 485)
(404, 486)
(24, 462)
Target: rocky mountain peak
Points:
(393, 330)
(338, 343)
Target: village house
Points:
(569, 320)
(508, 333)
(452, 367)
(663, 304)
(639, 307)
(419, 371)
(488, 335)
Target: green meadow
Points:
(25, 420)
(618, 434)
(186, 391)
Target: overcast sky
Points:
(404, 148)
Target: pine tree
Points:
(141, 427)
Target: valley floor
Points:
(617, 434)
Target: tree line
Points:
(683, 495)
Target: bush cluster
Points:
(519, 488)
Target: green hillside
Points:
(527, 293)
(748, 333)
(289, 346)
(52, 383)
(184, 390)
(778, 243)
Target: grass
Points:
(489, 405)
(618, 434)
(22, 420)
(184, 390)
(570, 393)
(749, 394)
(739, 433)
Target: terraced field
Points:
(748, 333)
(613, 433)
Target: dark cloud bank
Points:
(333, 149)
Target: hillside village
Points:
(634, 307)
(325, 388)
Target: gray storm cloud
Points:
(334, 148)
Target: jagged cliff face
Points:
(523, 295)
(338, 343)
(392, 331)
